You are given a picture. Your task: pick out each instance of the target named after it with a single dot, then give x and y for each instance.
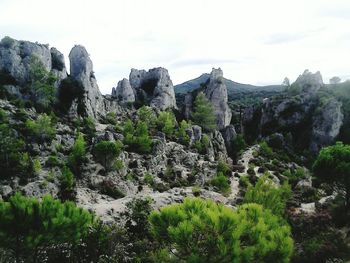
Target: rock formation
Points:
(123, 92)
(81, 70)
(312, 120)
(216, 92)
(15, 58)
(153, 87)
(309, 82)
(326, 124)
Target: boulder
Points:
(153, 88)
(229, 134)
(309, 82)
(15, 59)
(81, 70)
(123, 92)
(216, 92)
(326, 125)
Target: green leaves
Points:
(269, 195)
(42, 129)
(106, 152)
(203, 114)
(202, 231)
(27, 225)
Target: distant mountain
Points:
(232, 87)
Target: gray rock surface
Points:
(326, 124)
(216, 92)
(81, 70)
(123, 92)
(309, 82)
(229, 135)
(15, 57)
(153, 87)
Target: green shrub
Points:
(29, 226)
(203, 144)
(203, 231)
(265, 150)
(166, 122)
(42, 83)
(89, 127)
(11, 151)
(203, 114)
(53, 161)
(196, 190)
(118, 165)
(238, 145)
(146, 114)
(41, 129)
(137, 138)
(67, 182)
(223, 168)
(221, 183)
(111, 118)
(181, 133)
(244, 181)
(269, 195)
(106, 152)
(77, 155)
(333, 166)
(149, 179)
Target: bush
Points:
(42, 83)
(149, 179)
(266, 150)
(41, 129)
(333, 166)
(223, 168)
(106, 152)
(77, 155)
(203, 114)
(203, 144)
(11, 151)
(268, 195)
(244, 181)
(166, 122)
(221, 183)
(146, 114)
(44, 224)
(203, 231)
(181, 133)
(67, 184)
(111, 118)
(137, 138)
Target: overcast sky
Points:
(257, 42)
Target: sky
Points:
(253, 41)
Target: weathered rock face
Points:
(326, 125)
(153, 87)
(15, 57)
(216, 92)
(312, 122)
(81, 70)
(123, 92)
(309, 82)
(229, 134)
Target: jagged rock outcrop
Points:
(216, 92)
(309, 82)
(326, 124)
(229, 135)
(153, 88)
(313, 121)
(81, 70)
(15, 58)
(123, 92)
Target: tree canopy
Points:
(203, 114)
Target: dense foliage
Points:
(42, 129)
(29, 226)
(202, 231)
(106, 152)
(333, 166)
(203, 114)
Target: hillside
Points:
(134, 177)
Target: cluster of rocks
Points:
(306, 115)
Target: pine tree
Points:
(203, 114)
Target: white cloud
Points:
(253, 41)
